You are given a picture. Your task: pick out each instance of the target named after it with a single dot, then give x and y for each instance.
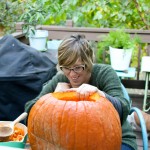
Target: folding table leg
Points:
(146, 93)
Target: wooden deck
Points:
(137, 101)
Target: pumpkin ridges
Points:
(31, 117)
(106, 133)
(65, 127)
(61, 136)
(115, 124)
(35, 110)
(91, 126)
(107, 129)
(80, 121)
(95, 127)
(80, 135)
(56, 122)
(86, 111)
(51, 121)
(48, 119)
(41, 117)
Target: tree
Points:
(9, 12)
(109, 13)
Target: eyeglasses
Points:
(76, 69)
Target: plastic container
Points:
(39, 40)
(120, 58)
(20, 144)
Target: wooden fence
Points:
(93, 34)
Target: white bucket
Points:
(120, 58)
(54, 44)
(39, 39)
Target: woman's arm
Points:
(108, 82)
(85, 90)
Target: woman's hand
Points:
(85, 90)
(62, 86)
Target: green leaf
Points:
(98, 16)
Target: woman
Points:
(75, 60)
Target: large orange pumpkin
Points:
(60, 121)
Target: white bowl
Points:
(18, 144)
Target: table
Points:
(130, 73)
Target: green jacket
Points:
(105, 79)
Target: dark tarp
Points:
(23, 71)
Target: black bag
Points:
(23, 71)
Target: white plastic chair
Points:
(145, 67)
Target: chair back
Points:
(140, 116)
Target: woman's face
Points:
(77, 74)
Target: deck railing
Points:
(93, 34)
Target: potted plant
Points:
(120, 45)
(35, 14)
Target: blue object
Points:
(23, 71)
(140, 116)
(130, 73)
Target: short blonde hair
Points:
(74, 48)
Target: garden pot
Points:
(38, 40)
(120, 58)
